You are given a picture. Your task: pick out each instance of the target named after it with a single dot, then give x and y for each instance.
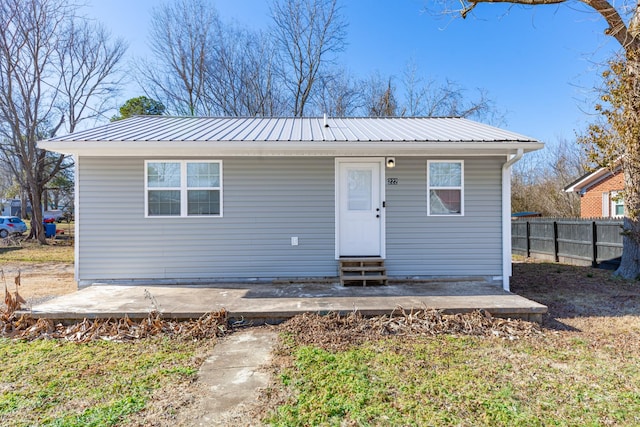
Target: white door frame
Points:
(342, 160)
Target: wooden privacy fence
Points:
(573, 241)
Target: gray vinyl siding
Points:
(421, 245)
(266, 201)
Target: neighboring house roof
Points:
(582, 184)
(233, 135)
(525, 214)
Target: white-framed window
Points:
(445, 187)
(181, 188)
(612, 204)
(617, 204)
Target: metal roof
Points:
(284, 129)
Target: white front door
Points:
(359, 212)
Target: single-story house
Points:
(188, 199)
(599, 193)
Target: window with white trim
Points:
(617, 204)
(445, 189)
(179, 188)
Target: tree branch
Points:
(617, 27)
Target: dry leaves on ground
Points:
(24, 327)
(338, 332)
(12, 300)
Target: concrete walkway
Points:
(233, 376)
(257, 303)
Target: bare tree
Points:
(262, 93)
(183, 37)
(202, 66)
(415, 90)
(448, 99)
(623, 20)
(42, 78)
(539, 178)
(59, 192)
(379, 96)
(307, 34)
(338, 95)
(430, 98)
(88, 67)
(241, 79)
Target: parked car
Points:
(11, 225)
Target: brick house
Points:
(599, 193)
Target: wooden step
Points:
(376, 268)
(362, 271)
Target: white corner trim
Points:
(76, 219)
(506, 217)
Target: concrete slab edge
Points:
(273, 317)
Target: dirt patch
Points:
(579, 298)
(40, 281)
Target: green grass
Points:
(61, 251)
(462, 381)
(56, 383)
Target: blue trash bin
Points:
(50, 229)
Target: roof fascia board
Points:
(591, 180)
(288, 148)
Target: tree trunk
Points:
(37, 227)
(630, 262)
(45, 200)
(23, 204)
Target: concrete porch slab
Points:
(260, 303)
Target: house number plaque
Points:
(392, 181)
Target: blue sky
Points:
(538, 64)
